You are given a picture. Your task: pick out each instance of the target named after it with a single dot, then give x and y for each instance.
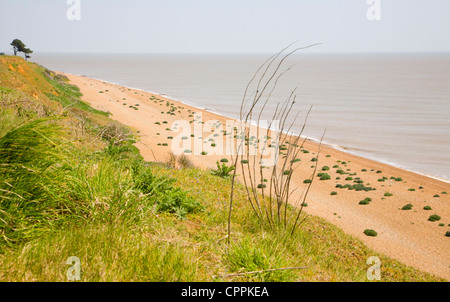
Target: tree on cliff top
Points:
(18, 46)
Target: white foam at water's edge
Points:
(334, 146)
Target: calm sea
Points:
(394, 108)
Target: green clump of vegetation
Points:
(388, 194)
(434, 217)
(161, 192)
(222, 170)
(371, 233)
(224, 160)
(325, 168)
(333, 193)
(365, 201)
(427, 208)
(307, 181)
(407, 207)
(286, 172)
(324, 176)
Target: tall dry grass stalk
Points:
(270, 192)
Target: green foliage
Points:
(286, 172)
(427, 208)
(365, 201)
(160, 191)
(407, 207)
(248, 257)
(325, 176)
(222, 170)
(434, 218)
(370, 233)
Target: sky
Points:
(226, 26)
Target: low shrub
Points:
(370, 233)
(434, 218)
(325, 176)
(407, 207)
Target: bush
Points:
(370, 233)
(407, 207)
(434, 218)
(222, 170)
(307, 181)
(427, 208)
(244, 161)
(261, 186)
(365, 201)
(286, 172)
(333, 193)
(325, 168)
(447, 233)
(324, 176)
(224, 160)
(388, 194)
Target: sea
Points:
(392, 108)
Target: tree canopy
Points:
(19, 46)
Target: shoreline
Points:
(316, 140)
(404, 235)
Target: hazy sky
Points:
(226, 26)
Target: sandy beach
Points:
(406, 235)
